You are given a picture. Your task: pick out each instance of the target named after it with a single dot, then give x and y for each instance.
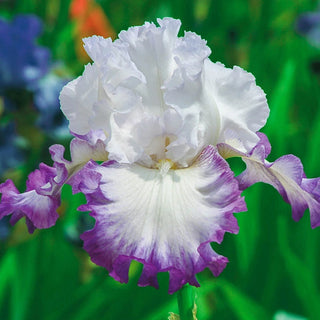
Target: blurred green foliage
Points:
(274, 261)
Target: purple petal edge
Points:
(286, 175)
(41, 200)
(100, 246)
(39, 210)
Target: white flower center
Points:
(164, 165)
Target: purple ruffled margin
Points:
(36, 204)
(101, 249)
(40, 201)
(286, 175)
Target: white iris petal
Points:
(158, 96)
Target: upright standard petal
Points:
(285, 174)
(242, 105)
(163, 218)
(123, 93)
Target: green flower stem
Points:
(186, 302)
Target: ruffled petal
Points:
(130, 89)
(241, 103)
(165, 219)
(81, 152)
(40, 210)
(78, 99)
(285, 174)
(41, 200)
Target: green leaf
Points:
(6, 273)
(242, 306)
(312, 151)
(186, 302)
(301, 276)
(23, 280)
(278, 125)
(249, 223)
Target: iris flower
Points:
(154, 121)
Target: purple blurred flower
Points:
(308, 25)
(154, 120)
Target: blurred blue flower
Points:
(4, 228)
(27, 75)
(308, 25)
(22, 61)
(11, 154)
(46, 101)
